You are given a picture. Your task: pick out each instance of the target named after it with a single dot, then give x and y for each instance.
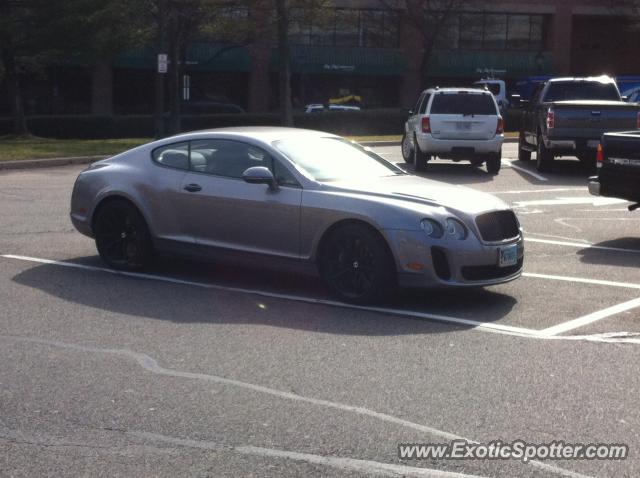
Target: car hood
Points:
(422, 191)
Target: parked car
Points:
(632, 95)
(454, 123)
(297, 194)
(618, 167)
(319, 107)
(567, 117)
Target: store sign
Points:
(163, 61)
(345, 68)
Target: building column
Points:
(561, 37)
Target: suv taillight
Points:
(426, 125)
(550, 119)
(599, 156)
(500, 127)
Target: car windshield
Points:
(335, 159)
(581, 90)
(463, 103)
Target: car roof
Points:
(601, 79)
(457, 90)
(264, 134)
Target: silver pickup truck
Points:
(568, 116)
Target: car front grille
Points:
(498, 226)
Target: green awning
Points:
(506, 64)
(342, 60)
(201, 56)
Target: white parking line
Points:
(486, 326)
(590, 318)
(581, 245)
(568, 201)
(627, 285)
(526, 171)
(506, 329)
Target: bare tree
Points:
(430, 19)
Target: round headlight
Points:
(456, 229)
(431, 228)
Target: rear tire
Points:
(122, 236)
(407, 149)
(356, 264)
(523, 154)
(420, 159)
(494, 163)
(544, 157)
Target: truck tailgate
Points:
(620, 170)
(590, 119)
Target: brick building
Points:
(364, 49)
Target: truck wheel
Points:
(544, 157)
(523, 154)
(420, 159)
(494, 162)
(407, 149)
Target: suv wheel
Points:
(494, 162)
(523, 154)
(407, 149)
(420, 159)
(544, 156)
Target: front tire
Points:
(544, 157)
(122, 236)
(356, 264)
(407, 149)
(494, 163)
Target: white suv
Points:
(454, 123)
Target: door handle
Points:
(192, 188)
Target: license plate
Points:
(593, 143)
(508, 256)
(463, 126)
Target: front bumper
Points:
(451, 263)
(430, 145)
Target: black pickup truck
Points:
(618, 168)
(567, 117)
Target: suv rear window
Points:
(463, 104)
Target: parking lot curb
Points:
(48, 163)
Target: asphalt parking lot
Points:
(226, 369)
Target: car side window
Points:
(231, 159)
(172, 155)
(425, 102)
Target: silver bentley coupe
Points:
(365, 223)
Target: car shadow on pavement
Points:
(591, 255)
(131, 296)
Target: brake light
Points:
(426, 125)
(550, 119)
(500, 127)
(599, 156)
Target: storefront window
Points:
(518, 32)
(471, 30)
(495, 32)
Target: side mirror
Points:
(260, 175)
(410, 112)
(624, 98)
